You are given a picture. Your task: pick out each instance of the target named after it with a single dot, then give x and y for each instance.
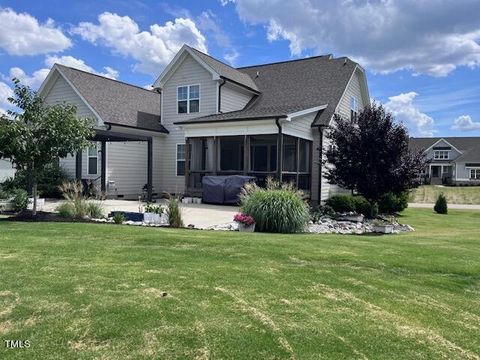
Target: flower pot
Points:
(246, 228)
(383, 229)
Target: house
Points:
(207, 118)
(6, 170)
(453, 160)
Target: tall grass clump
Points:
(76, 205)
(278, 208)
(174, 213)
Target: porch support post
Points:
(149, 168)
(103, 171)
(78, 166)
(187, 164)
(297, 148)
(215, 155)
(279, 150)
(246, 154)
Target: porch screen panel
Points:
(289, 154)
(231, 154)
(304, 165)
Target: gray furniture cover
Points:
(223, 189)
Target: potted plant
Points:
(246, 223)
(382, 226)
(154, 214)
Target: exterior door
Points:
(436, 170)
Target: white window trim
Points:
(469, 169)
(177, 159)
(89, 157)
(441, 151)
(188, 98)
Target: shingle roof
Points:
(226, 71)
(469, 146)
(291, 86)
(116, 102)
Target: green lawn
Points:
(454, 194)
(83, 291)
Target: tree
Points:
(370, 155)
(38, 134)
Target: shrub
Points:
(118, 218)
(318, 211)
(441, 205)
(341, 203)
(95, 210)
(152, 208)
(66, 210)
(362, 206)
(20, 200)
(174, 213)
(279, 208)
(49, 179)
(393, 203)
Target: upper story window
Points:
(441, 154)
(188, 99)
(353, 108)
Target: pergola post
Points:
(149, 168)
(215, 155)
(78, 166)
(103, 171)
(187, 164)
(246, 154)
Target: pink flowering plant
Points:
(245, 219)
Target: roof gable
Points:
(112, 101)
(213, 66)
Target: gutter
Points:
(193, 122)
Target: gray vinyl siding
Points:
(453, 153)
(233, 98)
(300, 126)
(353, 90)
(62, 92)
(189, 72)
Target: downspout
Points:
(320, 129)
(279, 149)
(220, 94)
(159, 91)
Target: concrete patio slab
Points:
(200, 215)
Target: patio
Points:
(200, 215)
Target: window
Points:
(441, 154)
(353, 108)
(188, 99)
(180, 159)
(92, 160)
(475, 174)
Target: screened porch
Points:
(279, 156)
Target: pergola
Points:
(104, 136)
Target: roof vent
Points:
(257, 74)
(345, 61)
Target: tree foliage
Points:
(371, 155)
(37, 134)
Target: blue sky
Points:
(425, 69)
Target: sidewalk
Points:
(450, 206)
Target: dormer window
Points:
(188, 99)
(353, 108)
(441, 154)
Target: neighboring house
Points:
(207, 118)
(6, 170)
(454, 160)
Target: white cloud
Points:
(152, 49)
(465, 123)
(5, 93)
(22, 34)
(403, 108)
(226, 2)
(425, 37)
(35, 80)
(80, 64)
